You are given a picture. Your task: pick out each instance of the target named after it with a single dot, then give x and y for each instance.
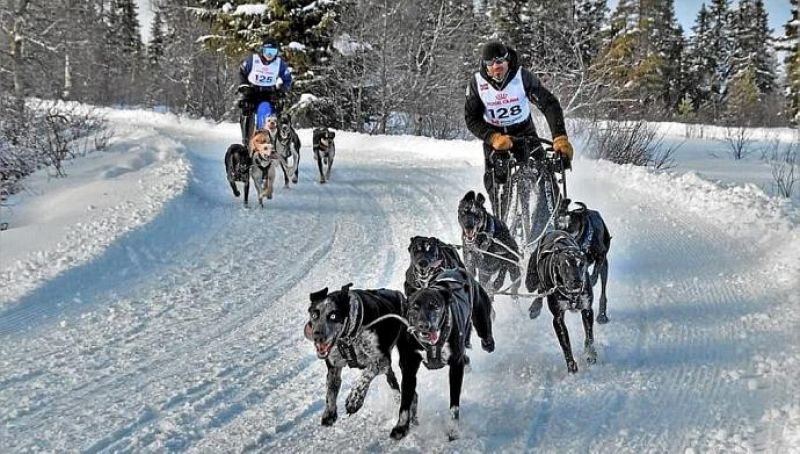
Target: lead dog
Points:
(237, 168)
(324, 151)
(489, 248)
(440, 318)
(262, 170)
(558, 270)
(358, 329)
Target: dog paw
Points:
(572, 367)
(322, 181)
(294, 180)
(488, 344)
(591, 355)
(535, 309)
(236, 193)
(398, 432)
(329, 418)
(602, 319)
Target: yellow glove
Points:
(562, 146)
(501, 142)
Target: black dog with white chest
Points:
(288, 145)
(440, 318)
(237, 168)
(488, 245)
(324, 151)
(358, 329)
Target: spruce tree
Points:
(590, 17)
(791, 45)
(698, 63)
(752, 50)
(720, 50)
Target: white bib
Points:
(505, 107)
(264, 75)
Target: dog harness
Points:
(546, 269)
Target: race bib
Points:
(505, 107)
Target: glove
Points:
(501, 142)
(562, 146)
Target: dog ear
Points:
(413, 240)
(319, 295)
(480, 199)
(469, 196)
(346, 287)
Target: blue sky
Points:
(686, 10)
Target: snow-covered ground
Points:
(143, 309)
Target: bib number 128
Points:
(504, 112)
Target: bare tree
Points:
(738, 140)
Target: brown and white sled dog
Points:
(262, 170)
(357, 329)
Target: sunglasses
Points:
(269, 51)
(496, 60)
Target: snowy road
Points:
(185, 334)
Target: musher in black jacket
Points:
(498, 103)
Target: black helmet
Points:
(493, 50)
(269, 42)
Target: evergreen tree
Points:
(302, 27)
(720, 50)
(698, 63)
(590, 17)
(643, 36)
(752, 50)
(791, 45)
(742, 106)
(155, 48)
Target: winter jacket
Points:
(539, 96)
(283, 73)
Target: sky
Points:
(686, 10)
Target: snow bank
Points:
(57, 224)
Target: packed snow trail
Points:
(186, 333)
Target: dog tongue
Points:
(323, 348)
(433, 337)
(307, 331)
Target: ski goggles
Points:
(269, 51)
(496, 60)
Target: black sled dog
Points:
(489, 247)
(558, 270)
(358, 329)
(324, 151)
(440, 318)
